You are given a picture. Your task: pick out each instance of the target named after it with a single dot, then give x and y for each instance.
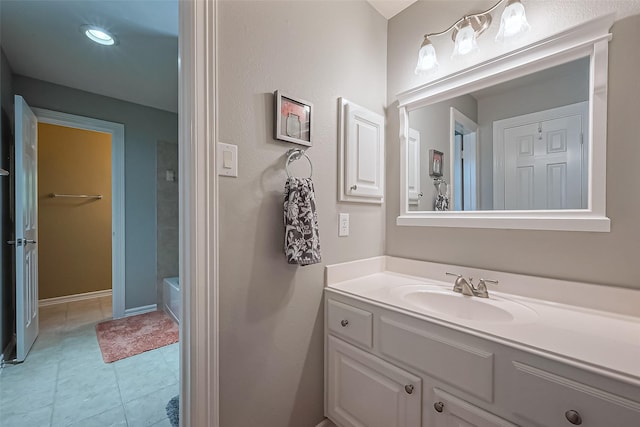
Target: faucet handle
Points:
(453, 274)
(481, 289)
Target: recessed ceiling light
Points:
(98, 35)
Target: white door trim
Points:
(198, 192)
(117, 191)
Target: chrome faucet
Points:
(465, 287)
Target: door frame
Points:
(456, 116)
(198, 195)
(116, 130)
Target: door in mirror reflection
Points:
(544, 160)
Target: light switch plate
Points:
(227, 161)
(343, 225)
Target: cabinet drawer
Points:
(448, 411)
(549, 400)
(467, 368)
(350, 322)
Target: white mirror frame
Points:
(590, 39)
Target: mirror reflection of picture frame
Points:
(293, 119)
(436, 162)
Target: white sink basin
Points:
(435, 299)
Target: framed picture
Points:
(293, 119)
(436, 161)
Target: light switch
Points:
(227, 160)
(343, 227)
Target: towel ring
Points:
(295, 154)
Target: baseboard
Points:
(140, 310)
(71, 298)
(326, 423)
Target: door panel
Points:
(26, 232)
(365, 391)
(543, 165)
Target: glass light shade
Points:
(465, 41)
(427, 59)
(513, 22)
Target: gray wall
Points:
(271, 313)
(562, 85)
(167, 214)
(606, 258)
(433, 122)
(144, 126)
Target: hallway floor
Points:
(65, 382)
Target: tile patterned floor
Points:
(64, 381)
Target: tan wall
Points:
(75, 234)
(271, 313)
(606, 258)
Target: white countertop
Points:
(606, 342)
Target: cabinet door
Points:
(365, 152)
(365, 391)
(449, 411)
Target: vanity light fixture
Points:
(98, 35)
(466, 30)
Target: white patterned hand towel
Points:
(301, 239)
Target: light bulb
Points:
(98, 35)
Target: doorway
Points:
(116, 133)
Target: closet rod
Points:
(76, 196)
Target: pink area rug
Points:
(133, 335)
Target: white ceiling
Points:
(42, 40)
(390, 8)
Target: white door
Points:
(365, 391)
(449, 411)
(544, 160)
(365, 152)
(26, 233)
(413, 167)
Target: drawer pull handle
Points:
(438, 406)
(408, 388)
(573, 417)
(344, 323)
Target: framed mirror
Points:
(516, 142)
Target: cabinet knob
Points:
(344, 323)
(438, 406)
(573, 417)
(408, 388)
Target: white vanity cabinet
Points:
(386, 367)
